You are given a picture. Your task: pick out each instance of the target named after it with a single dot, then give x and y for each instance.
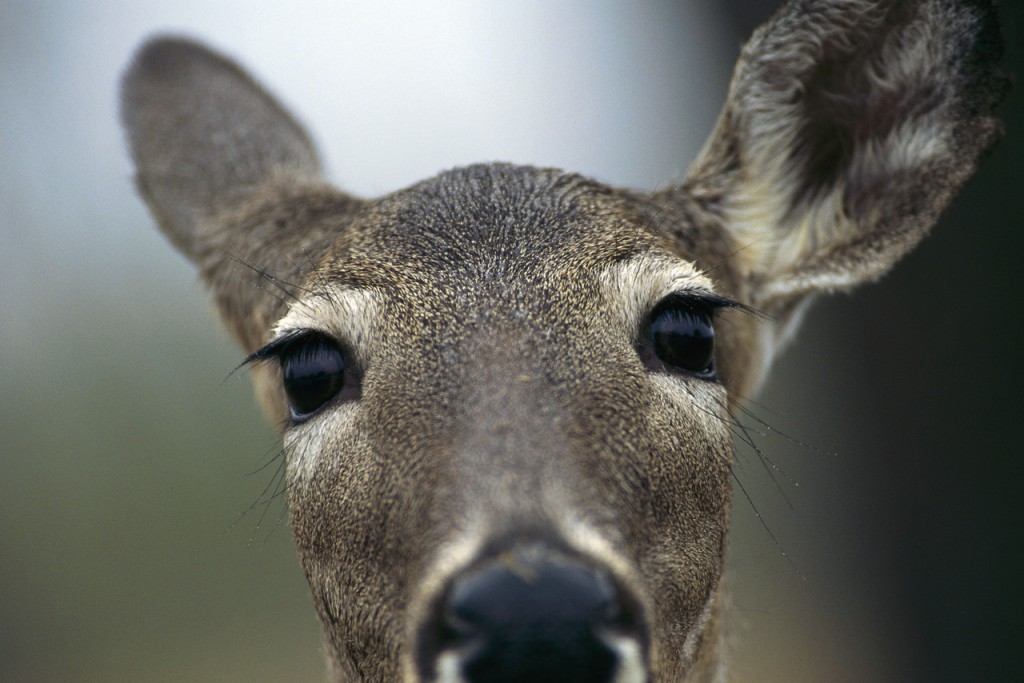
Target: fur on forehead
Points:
(498, 219)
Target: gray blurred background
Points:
(133, 545)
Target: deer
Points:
(506, 393)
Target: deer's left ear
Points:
(849, 127)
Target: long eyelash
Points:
(713, 302)
(272, 351)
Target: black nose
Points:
(535, 617)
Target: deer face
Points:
(506, 393)
(502, 381)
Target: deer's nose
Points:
(539, 618)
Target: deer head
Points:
(505, 393)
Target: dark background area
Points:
(927, 368)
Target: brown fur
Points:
(493, 313)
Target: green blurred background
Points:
(128, 549)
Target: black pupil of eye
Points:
(314, 372)
(683, 338)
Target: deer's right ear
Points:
(230, 176)
(849, 126)
(203, 135)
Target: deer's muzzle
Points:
(531, 614)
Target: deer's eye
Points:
(682, 337)
(314, 372)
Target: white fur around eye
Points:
(632, 288)
(346, 314)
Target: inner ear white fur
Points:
(848, 129)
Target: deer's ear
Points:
(848, 128)
(204, 135)
(232, 179)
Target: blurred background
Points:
(134, 540)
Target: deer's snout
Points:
(530, 615)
